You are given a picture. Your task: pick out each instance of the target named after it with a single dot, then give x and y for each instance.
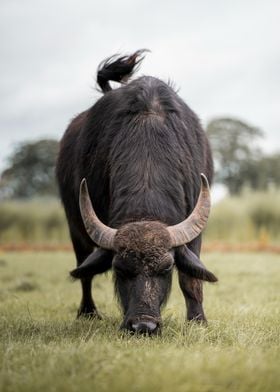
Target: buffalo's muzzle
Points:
(144, 327)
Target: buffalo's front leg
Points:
(193, 293)
(97, 262)
(87, 307)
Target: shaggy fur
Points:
(141, 150)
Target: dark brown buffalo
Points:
(129, 173)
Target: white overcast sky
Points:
(224, 56)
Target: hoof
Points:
(199, 319)
(89, 314)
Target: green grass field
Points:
(43, 348)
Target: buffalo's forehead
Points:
(143, 237)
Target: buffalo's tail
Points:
(118, 69)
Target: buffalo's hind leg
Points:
(192, 289)
(87, 306)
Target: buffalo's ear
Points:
(99, 261)
(187, 262)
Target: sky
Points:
(223, 56)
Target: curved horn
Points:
(100, 234)
(191, 227)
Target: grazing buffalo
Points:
(130, 178)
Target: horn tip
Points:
(204, 180)
(83, 185)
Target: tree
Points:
(261, 173)
(30, 170)
(234, 146)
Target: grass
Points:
(44, 349)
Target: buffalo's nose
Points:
(148, 327)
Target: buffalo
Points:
(134, 173)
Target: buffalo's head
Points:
(144, 254)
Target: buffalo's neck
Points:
(147, 205)
(147, 190)
(148, 172)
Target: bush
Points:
(251, 217)
(246, 218)
(33, 221)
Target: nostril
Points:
(144, 327)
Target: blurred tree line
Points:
(239, 162)
(30, 171)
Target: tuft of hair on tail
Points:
(118, 69)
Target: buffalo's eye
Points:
(166, 269)
(123, 272)
(166, 264)
(119, 269)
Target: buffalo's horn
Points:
(191, 227)
(100, 234)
